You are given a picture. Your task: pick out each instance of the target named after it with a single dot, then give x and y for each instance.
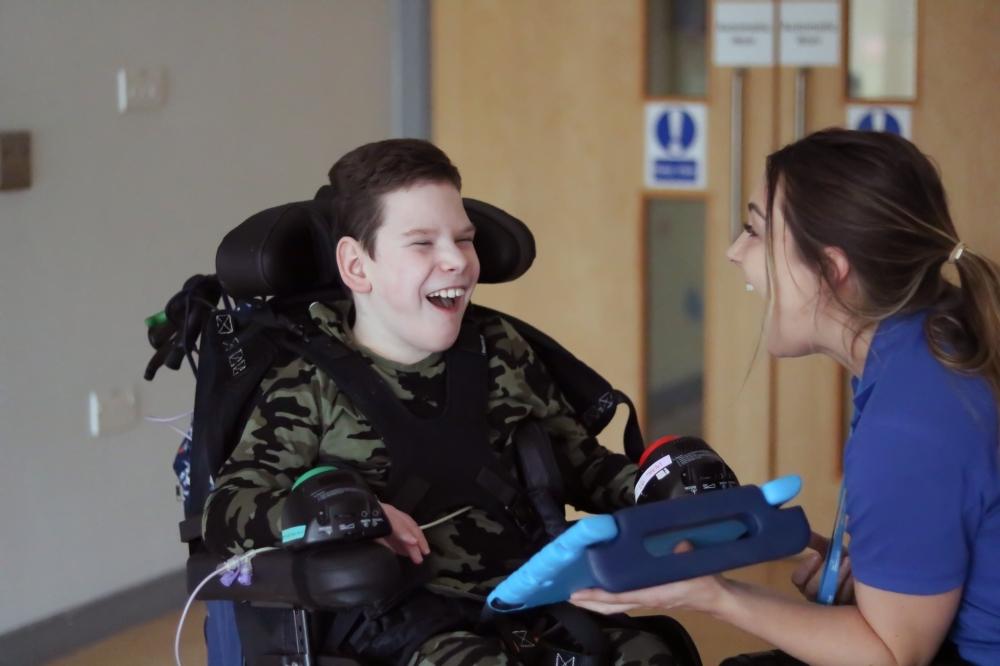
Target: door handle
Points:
(801, 84)
(736, 154)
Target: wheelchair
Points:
(301, 604)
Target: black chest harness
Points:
(442, 462)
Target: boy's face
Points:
(421, 276)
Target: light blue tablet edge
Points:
(556, 570)
(560, 568)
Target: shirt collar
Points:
(335, 319)
(885, 342)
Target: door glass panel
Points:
(882, 49)
(675, 48)
(675, 241)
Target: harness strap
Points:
(541, 641)
(584, 630)
(343, 625)
(593, 398)
(634, 444)
(410, 493)
(603, 410)
(541, 476)
(497, 487)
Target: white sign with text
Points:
(810, 33)
(743, 34)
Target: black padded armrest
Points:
(337, 578)
(190, 528)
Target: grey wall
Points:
(262, 97)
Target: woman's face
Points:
(792, 325)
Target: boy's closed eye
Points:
(468, 239)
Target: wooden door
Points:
(537, 104)
(957, 111)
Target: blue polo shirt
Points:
(922, 478)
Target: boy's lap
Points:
(629, 647)
(461, 648)
(633, 647)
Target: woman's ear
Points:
(840, 267)
(351, 264)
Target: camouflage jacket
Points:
(301, 420)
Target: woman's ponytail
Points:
(965, 327)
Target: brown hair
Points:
(362, 176)
(879, 199)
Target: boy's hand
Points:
(807, 574)
(407, 539)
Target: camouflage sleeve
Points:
(279, 442)
(596, 480)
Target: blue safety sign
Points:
(880, 120)
(892, 119)
(675, 145)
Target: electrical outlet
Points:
(141, 88)
(112, 412)
(15, 160)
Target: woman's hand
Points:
(407, 539)
(807, 574)
(702, 594)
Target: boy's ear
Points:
(351, 264)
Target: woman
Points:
(846, 240)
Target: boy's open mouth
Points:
(447, 299)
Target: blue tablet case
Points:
(633, 548)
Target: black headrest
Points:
(290, 249)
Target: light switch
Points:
(112, 411)
(15, 160)
(141, 88)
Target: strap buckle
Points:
(522, 513)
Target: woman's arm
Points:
(883, 628)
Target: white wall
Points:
(262, 97)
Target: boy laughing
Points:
(405, 255)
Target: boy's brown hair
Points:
(362, 176)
